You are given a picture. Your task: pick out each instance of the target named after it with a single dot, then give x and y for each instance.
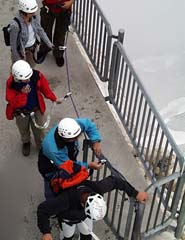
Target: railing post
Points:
(121, 34)
(136, 233)
(85, 149)
(181, 220)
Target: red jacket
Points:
(17, 99)
(55, 5)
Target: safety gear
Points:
(28, 6)
(21, 70)
(68, 128)
(95, 207)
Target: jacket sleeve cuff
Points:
(135, 193)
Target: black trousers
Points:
(56, 35)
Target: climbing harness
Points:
(46, 124)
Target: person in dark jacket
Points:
(61, 144)
(55, 18)
(24, 93)
(72, 206)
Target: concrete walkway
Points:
(20, 183)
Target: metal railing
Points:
(121, 210)
(94, 33)
(150, 138)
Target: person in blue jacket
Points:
(61, 144)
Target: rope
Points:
(46, 124)
(69, 80)
(90, 231)
(68, 76)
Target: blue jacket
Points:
(60, 155)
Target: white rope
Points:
(89, 230)
(48, 119)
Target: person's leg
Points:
(84, 232)
(68, 230)
(61, 27)
(38, 133)
(47, 20)
(29, 58)
(23, 124)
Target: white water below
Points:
(155, 44)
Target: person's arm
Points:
(14, 32)
(68, 4)
(92, 132)
(115, 182)
(124, 185)
(48, 208)
(41, 33)
(45, 88)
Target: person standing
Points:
(24, 93)
(55, 18)
(61, 144)
(26, 33)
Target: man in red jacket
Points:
(58, 12)
(24, 92)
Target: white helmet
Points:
(21, 70)
(28, 6)
(68, 128)
(95, 207)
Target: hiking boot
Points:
(26, 149)
(59, 61)
(41, 56)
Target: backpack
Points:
(70, 174)
(6, 31)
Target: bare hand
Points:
(58, 101)
(68, 4)
(97, 148)
(47, 236)
(142, 197)
(52, 46)
(26, 89)
(95, 165)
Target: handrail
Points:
(177, 150)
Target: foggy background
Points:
(155, 44)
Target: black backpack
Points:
(6, 31)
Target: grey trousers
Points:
(24, 124)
